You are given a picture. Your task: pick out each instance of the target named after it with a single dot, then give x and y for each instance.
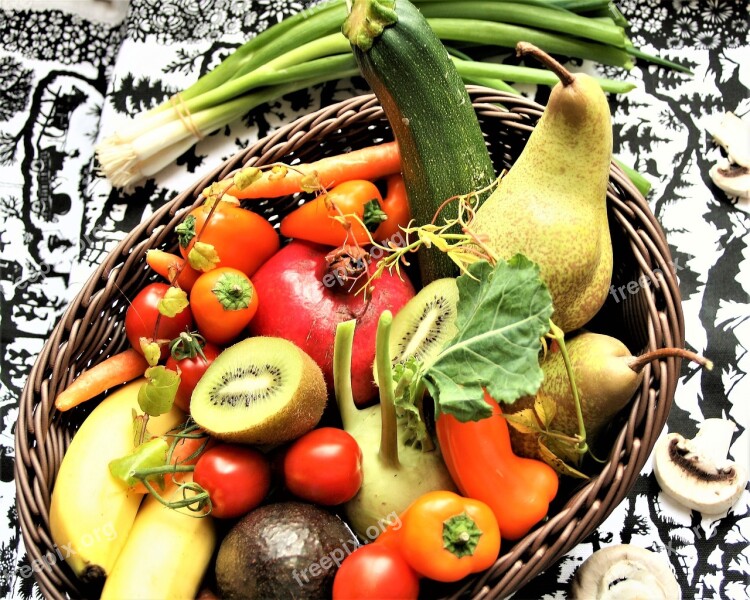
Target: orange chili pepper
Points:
(482, 464)
(396, 207)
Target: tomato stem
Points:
(461, 535)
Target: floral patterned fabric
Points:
(67, 80)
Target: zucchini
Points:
(443, 151)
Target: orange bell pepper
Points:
(482, 464)
(446, 537)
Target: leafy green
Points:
(146, 456)
(503, 312)
(156, 395)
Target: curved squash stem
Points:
(342, 369)
(388, 426)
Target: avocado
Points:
(283, 550)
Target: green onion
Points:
(308, 49)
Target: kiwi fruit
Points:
(425, 324)
(262, 390)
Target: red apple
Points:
(301, 301)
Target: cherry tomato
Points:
(324, 466)
(237, 478)
(190, 356)
(375, 572)
(224, 301)
(243, 239)
(140, 318)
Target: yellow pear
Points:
(551, 205)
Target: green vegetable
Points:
(395, 473)
(306, 49)
(156, 394)
(503, 313)
(149, 455)
(443, 152)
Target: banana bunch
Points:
(91, 513)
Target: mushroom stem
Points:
(714, 438)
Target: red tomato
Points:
(190, 358)
(375, 572)
(237, 478)
(324, 466)
(243, 239)
(140, 318)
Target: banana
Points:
(165, 557)
(91, 513)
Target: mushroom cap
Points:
(689, 472)
(625, 572)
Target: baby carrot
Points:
(372, 162)
(116, 369)
(167, 265)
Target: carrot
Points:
(372, 162)
(116, 369)
(167, 265)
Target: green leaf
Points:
(156, 395)
(246, 177)
(186, 231)
(503, 312)
(151, 350)
(173, 302)
(146, 456)
(203, 256)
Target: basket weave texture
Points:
(92, 329)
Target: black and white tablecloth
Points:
(71, 70)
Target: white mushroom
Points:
(732, 179)
(697, 472)
(625, 572)
(732, 134)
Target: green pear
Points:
(607, 376)
(551, 205)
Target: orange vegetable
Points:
(395, 205)
(241, 238)
(112, 371)
(446, 537)
(316, 220)
(372, 162)
(168, 265)
(223, 302)
(482, 464)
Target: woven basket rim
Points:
(42, 435)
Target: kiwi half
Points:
(425, 324)
(262, 390)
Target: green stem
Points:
(342, 372)
(538, 17)
(657, 60)
(558, 335)
(504, 35)
(521, 74)
(388, 424)
(639, 181)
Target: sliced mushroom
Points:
(733, 180)
(732, 134)
(625, 572)
(697, 472)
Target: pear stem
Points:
(565, 76)
(558, 335)
(638, 363)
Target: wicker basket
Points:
(92, 329)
